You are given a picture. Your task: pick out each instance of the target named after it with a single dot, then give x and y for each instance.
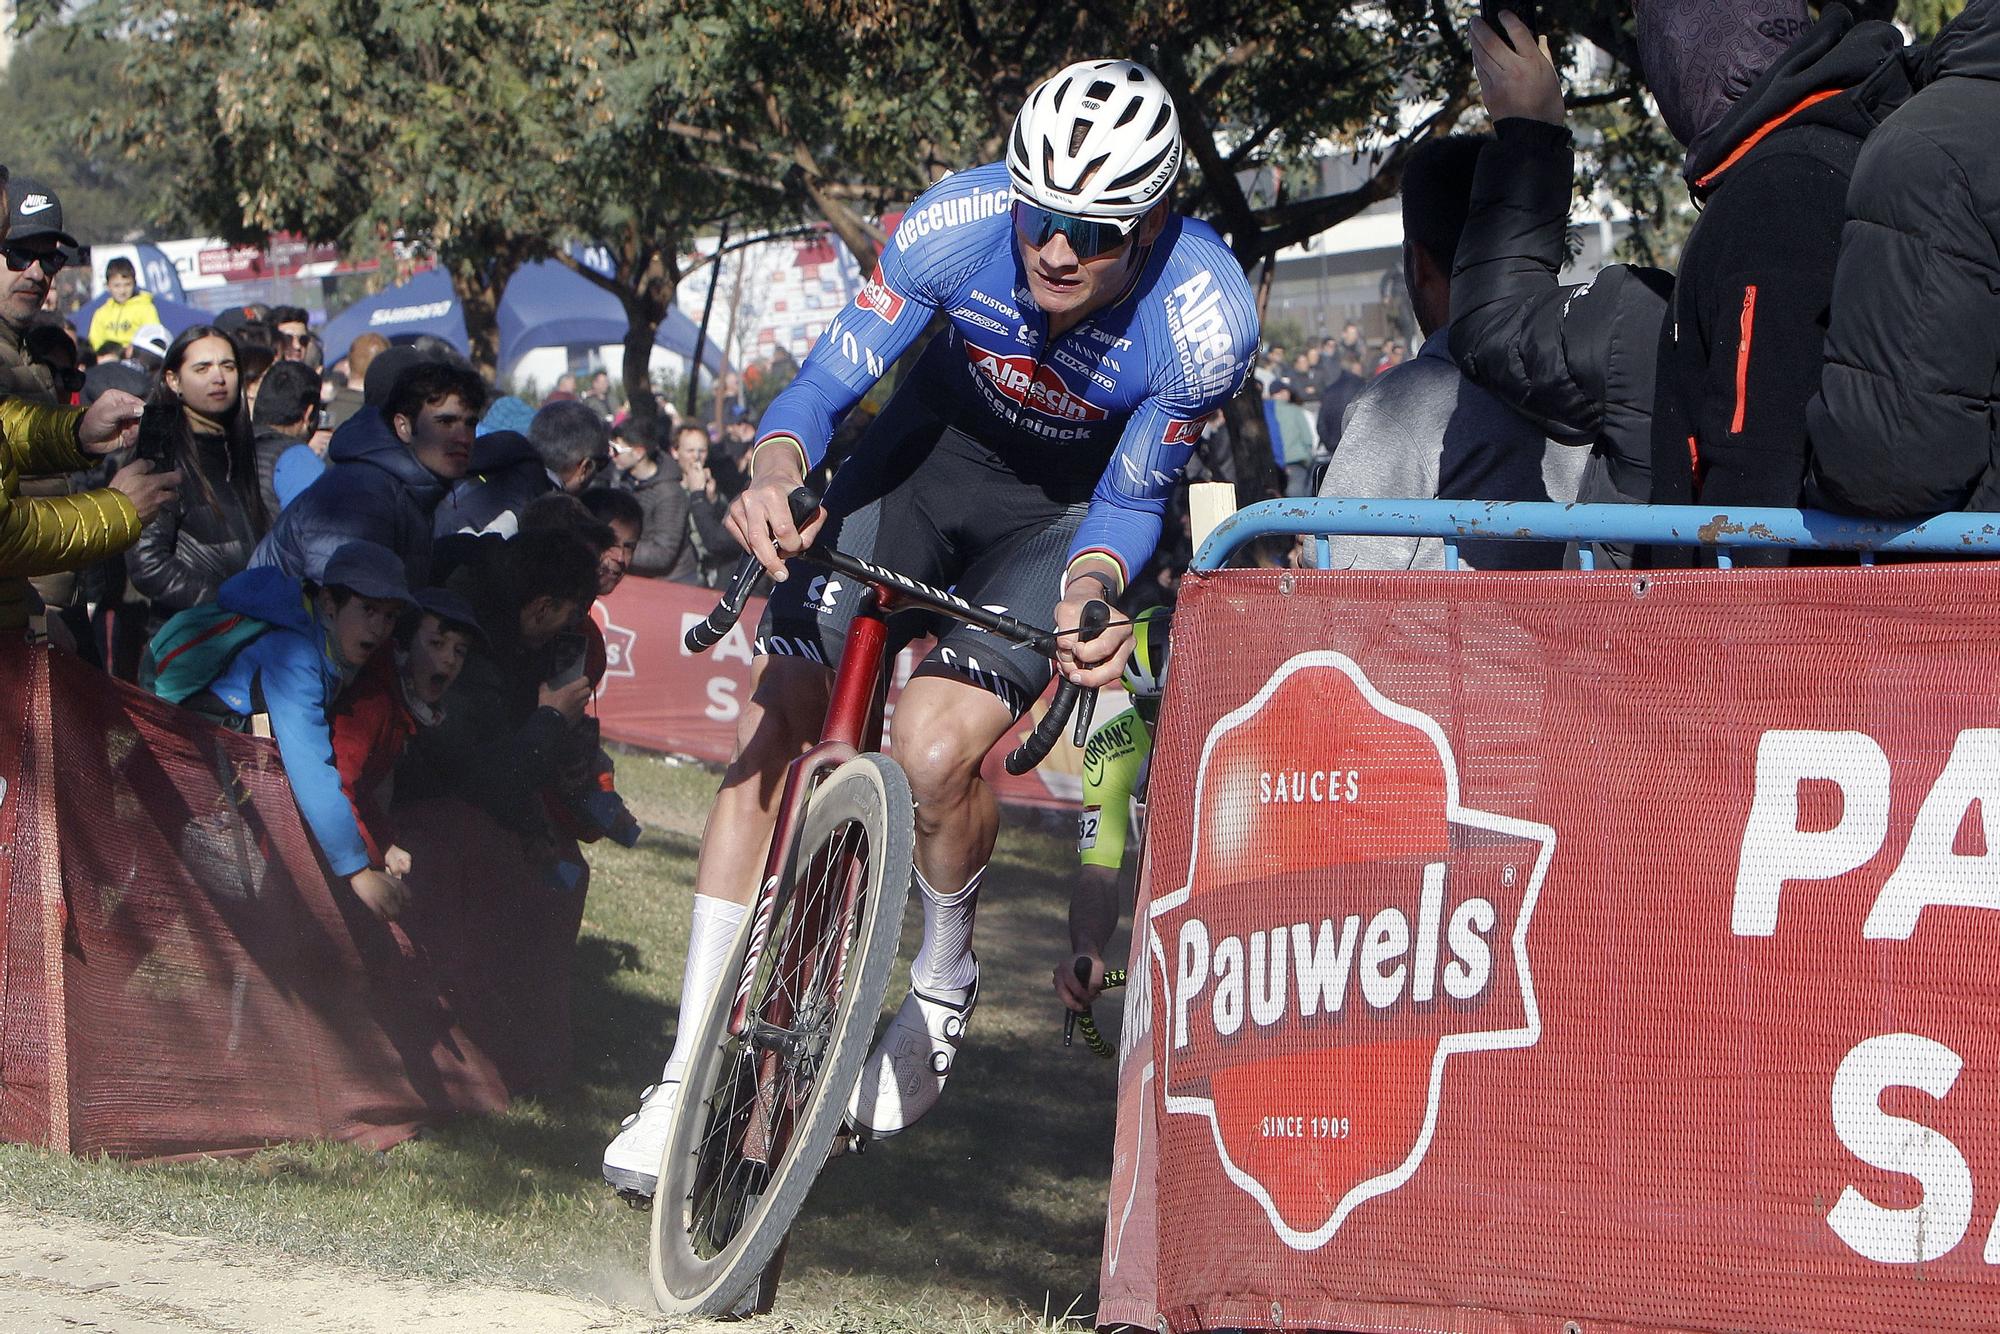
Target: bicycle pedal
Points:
(634, 1200)
(848, 1140)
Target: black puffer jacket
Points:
(1578, 359)
(1746, 338)
(1908, 418)
(206, 535)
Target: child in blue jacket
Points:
(320, 637)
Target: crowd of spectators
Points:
(394, 563)
(381, 563)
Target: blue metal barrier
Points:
(1544, 521)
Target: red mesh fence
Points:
(176, 974)
(1520, 950)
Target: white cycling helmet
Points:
(1100, 139)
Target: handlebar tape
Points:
(1096, 615)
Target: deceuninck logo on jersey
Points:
(1344, 929)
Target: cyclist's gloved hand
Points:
(1099, 662)
(1074, 994)
(761, 518)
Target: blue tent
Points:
(550, 305)
(174, 314)
(546, 305)
(423, 305)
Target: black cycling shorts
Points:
(928, 500)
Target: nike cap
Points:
(35, 212)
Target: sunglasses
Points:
(1088, 237)
(20, 259)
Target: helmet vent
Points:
(1100, 91)
(1077, 134)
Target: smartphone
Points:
(566, 652)
(156, 436)
(1524, 10)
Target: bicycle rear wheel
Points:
(759, 1109)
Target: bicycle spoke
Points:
(800, 984)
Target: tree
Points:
(868, 101)
(414, 121)
(58, 78)
(637, 186)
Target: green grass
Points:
(986, 1217)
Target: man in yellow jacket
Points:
(50, 534)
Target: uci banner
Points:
(1568, 951)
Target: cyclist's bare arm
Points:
(761, 517)
(1093, 917)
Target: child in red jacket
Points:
(400, 690)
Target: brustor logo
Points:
(1033, 385)
(1345, 926)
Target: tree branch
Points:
(1293, 223)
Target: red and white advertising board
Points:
(1586, 951)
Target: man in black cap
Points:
(36, 248)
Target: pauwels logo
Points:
(1344, 929)
(1033, 385)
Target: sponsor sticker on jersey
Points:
(1345, 929)
(876, 296)
(1181, 432)
(1033, 385)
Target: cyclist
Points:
(1026, 460)
(1117, 760)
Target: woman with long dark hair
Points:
(196, 421)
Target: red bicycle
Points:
(764, 1101)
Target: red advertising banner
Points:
(177, 975)
(659, 696)
(1568, 952)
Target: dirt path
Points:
(58, 1277)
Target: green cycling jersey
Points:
(1115, 764)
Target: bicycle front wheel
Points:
(759, 1108)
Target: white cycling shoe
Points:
(632, 1160)
(905, 1074)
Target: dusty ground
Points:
(58, 1276)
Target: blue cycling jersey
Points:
(1126, 389)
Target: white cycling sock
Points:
(710, 935)
(945, 962)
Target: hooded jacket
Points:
(1742, 351)
(291, 673)
(506, 476)
(373, 490)
(49, 534)
(1577, 359)
(1905, 423)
